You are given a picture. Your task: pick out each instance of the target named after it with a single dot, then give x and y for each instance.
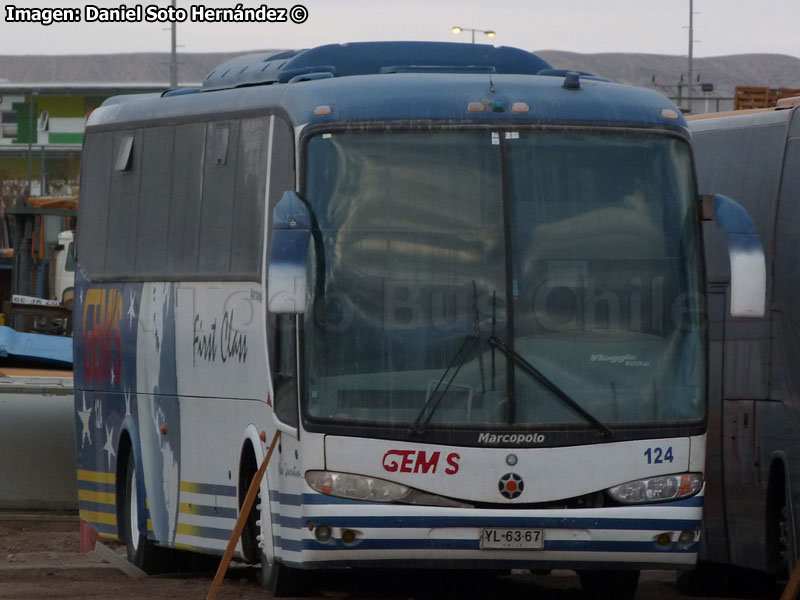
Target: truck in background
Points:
(39, 272)
(752, 500)
(64, 272)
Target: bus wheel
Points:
(786, 543)
(609, 585)
(280, 580)
(142, 552)
(781, 543)
(252, 530)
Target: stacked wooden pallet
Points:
(747, 97)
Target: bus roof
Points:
(368, 58)
(380, 81)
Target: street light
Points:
(487, 32)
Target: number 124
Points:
(657, 456)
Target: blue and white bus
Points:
(751, 517)
(464, 286)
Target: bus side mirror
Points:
(746, 253)
(288, 252)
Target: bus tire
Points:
(609, 585)
(142, 553)
(251, 531)
(780, 538)
(280, 580)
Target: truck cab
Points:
(64, 269)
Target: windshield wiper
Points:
(523, 364)
(433, 401)
(458, 360)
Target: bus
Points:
(466, 288)
(753, 469)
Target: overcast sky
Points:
(721, 26)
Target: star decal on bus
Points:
(85, 415)
(131, 312)
(109, 446)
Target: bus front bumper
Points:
(316, 531)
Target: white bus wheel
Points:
(142, 552)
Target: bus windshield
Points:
(448, 264)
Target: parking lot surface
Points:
(40, 559)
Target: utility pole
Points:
(32, 130)
(173, 63)
(689, 93)
(676, 91)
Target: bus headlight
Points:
(657, 489)
(356, 487)
(372, 489)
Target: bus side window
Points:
(285, 369)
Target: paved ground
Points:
(40, 560)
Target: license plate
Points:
(512, 539)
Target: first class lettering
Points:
(419, 461)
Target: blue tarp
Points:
(35, 347)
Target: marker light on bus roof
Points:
(657, 489)
(668, 113)
(322, 110)
(475, 107)
(520, 107)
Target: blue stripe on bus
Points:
(213, 533)
(451, 544)
(615, 546)
(438, 522)
(495, 521)
(96, 486)
(203, 510)
(288, 545)
(289, 499)
(480, 564)
(211, 489)
(104, 528)
(97, 507)
(321, 499)
(693, 501)
(289, 522)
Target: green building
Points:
(41, 133)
